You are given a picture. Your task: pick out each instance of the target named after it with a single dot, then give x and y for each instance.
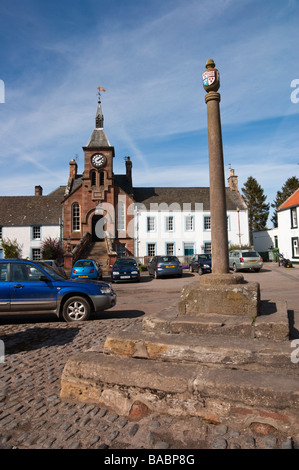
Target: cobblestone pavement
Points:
(32, 416)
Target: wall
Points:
(180, 236)
(264, 240)
(286, 233)
(23, 235)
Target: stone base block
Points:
(225, 294)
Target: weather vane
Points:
(100, 89)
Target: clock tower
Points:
(98, 160)
(87, 223)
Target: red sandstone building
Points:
(90, 200)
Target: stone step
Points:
(252, 354)
(272, 323)
(98, 252)
(183, 389)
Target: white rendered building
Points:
(29, 220)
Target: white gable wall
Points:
(24, 237)
(288, 235)
(265, 240)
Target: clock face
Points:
(98, 160)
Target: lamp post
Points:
(219, 236)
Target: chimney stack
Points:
(73, 169)
(38, 191)
(233, 181)
(129, 170)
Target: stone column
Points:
(219, 236)
(219, 292)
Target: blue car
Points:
(201, 263)
(125, 269)
(28, 287)
(165, 266)
(86, 269)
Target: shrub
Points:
(11, 248)
(51, 249)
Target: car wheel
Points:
(200, 271)
(76, 309)
(191, 269)
(156, 275)
(235, 268)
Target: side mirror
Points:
(44, 278)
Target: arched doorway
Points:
(98, 228)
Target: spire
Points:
(99, 116)
(98, 138)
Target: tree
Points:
(258, 209)
(11, 248)
(51, 249)
(287, 190)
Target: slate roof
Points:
(148, 196)
(98, 139)
(292, 201)
(75, 184)
(168, 196)
(31, 210)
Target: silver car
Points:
(245, 259)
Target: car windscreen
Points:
(250, 254)
(125, 262)
(84, 264)
(168, 259)
(204, 257)
(56, 275)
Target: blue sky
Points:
(149, 56)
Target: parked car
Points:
(28, 287)
(125, 269)
(86, 268)
(54, 265)
(245, 259)
(201, 263)
(165, 266)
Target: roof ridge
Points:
(287, 204)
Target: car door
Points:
(231, 259)
(194, 261)
(151, 266)
(4, 289)
(28, 292)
